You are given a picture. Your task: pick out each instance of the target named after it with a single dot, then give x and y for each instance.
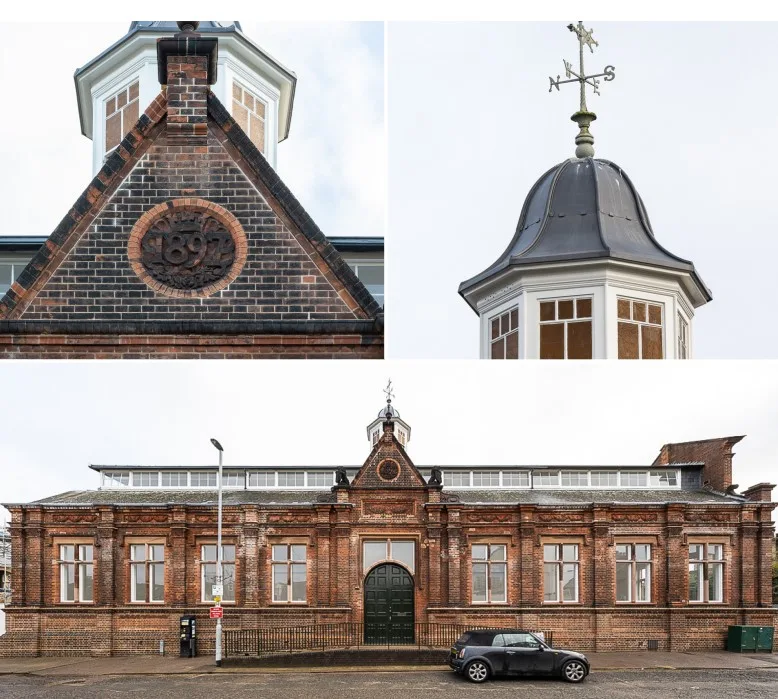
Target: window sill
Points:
(635, 604)
(563, 604)
(144, 602)
(75, 604)
(706, 604)
(289, 604)
(490, 604)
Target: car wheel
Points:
(574, 671)
(477, 671)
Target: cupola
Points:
(114, 88)
(389, 414)
(583, 276)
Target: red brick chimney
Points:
(187, 65)
(716, 454)
(761, 492)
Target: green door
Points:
(389, 605)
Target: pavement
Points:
(166, 665)
(374, 684)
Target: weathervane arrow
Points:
(584, 141)
(388, 391)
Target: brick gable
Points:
(388, 466)
(279, 280)
(294, 297)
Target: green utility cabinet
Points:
(742, 639)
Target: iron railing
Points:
(257, 642)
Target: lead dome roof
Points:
(583, 209)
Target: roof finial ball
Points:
(188, 26)
(584, 141)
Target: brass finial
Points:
(584, 141)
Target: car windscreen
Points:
(476, 638)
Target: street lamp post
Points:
(219, 572)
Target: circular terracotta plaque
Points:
(388, 470)
(187, 247)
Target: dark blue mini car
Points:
(481, 654)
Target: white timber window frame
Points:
(706, 572)
(208, 572)
(289, 571)
(489, 573)
(561, 573)
(389, 550)
(357, 265)
(579, 316)
(76, 573)
(634, 568)
(147, 572)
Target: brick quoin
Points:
(444, 526)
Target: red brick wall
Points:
(333, 533)
(716, 454)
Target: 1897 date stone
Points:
(187, 249)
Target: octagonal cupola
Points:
(584, 276)
(114, 88)
(401, 429)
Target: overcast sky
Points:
(691, 117)
(59, 417)
(333, 160)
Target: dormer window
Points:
(122, 110)
(249, 111)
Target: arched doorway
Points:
(389, 605)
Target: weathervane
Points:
(584, 141)
(388, 391)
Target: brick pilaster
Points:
(455, 581)
(105, 570)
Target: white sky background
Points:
(333, 161)
(58, 417)
(691, 117)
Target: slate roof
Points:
(571, 497)
(116, 167)
(188, 497)
(585, 209)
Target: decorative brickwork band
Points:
(187, 248)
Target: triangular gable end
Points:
(388, 466)
(66, 235)
(321, 265)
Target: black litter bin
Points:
(188, 636)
